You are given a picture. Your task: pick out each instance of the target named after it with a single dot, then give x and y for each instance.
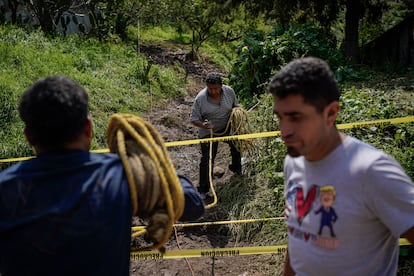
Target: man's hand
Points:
(207, 124)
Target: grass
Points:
(117, 78)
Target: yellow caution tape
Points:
(404, 242)
(399, 120)
(207, 223)
(217, 252)
(16, 159)
(227, 222)
(208, 252)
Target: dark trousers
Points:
(204, 185)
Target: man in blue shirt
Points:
(67, 211)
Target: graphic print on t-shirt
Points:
(300, 204)
(328, 214)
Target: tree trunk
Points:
(13, 7)
(352, 15)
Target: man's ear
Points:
(88, 128)
(332, 111)
(83, 142)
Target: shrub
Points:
(260, 55)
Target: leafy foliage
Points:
(378, 102)
(121, 80)
(260, 55)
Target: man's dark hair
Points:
(54, 110)
(214, 78)
(310, 77)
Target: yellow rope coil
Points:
(239, 124)
(156, 193)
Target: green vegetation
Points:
(261, 54)
(354, 22)
(117, 78)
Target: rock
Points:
(218, 172)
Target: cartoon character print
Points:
(328, 214)
(300, 205)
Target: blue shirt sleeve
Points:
(194, 205)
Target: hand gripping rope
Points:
(156, 193)
(239, 124)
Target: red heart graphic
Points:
(303, 205)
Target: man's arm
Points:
(194, 205)
(288, 270)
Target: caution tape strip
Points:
(207, 223)
(399, 120)
(208, 252)
(217, 252)
(404, 242)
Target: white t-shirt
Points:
(358, 232)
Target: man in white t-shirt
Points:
(347, 203)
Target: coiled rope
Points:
(156, 193)
(239, 124)
(210, 175)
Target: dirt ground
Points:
(172, 122)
